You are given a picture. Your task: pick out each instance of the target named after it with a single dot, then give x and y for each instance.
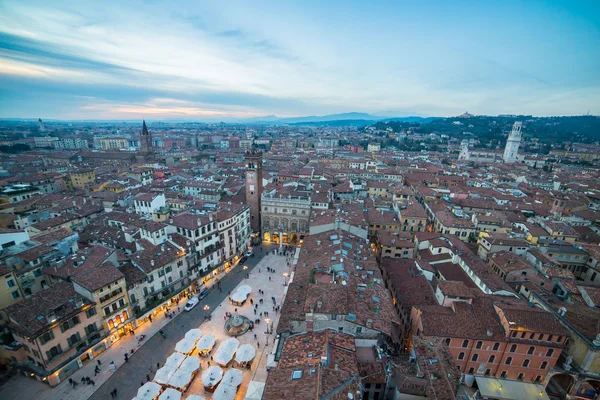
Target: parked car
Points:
(203, 294)
(193, 302)
(249, 253)
(243, 260)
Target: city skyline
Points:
(157, 60)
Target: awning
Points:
(206, 342)
(255, 390)
(245, 353)
(233, 377)
(225, 392)
(149, 391)
(185, 346)
(180, 379)
(191, 364)
(164, 374)
(510, 390)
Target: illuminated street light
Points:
(206, 307)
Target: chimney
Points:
(152, 262)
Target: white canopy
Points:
(225, 351)
(195, 397)
(175, 360)
(245, 289)
(191, 364)
(180, 379)
(225, 392)
(233, 377)
(185, 345)
(239, 297)
(193, 334)
(212, 375)
(507, 389)
(170, 394)
(149, 391)
(255, 390)
(164, 374)
(206, 342)
(245, 353)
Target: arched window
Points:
(461, 356)
(496, 346)
(479, 344)
(525, 363)
(492, 358)
(508, 361)
(544, 365)
(448, 340)
(549, 352)
(465, 343)
(513, 348)
(531, 350)
(475, 357)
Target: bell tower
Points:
(254, 187)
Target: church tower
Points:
(254, 188)
(146, 143)
(512, 144)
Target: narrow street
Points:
(129, 376)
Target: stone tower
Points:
(254, 188)
(512, 144)
(464, 155)
(146, 143)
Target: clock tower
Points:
(254, 188)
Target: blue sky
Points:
(224, 60)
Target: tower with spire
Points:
(146, 148)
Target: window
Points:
(492, 359)
(448, 341)
(538, 379)
(488, 371)
(544, 365)
(297, 374)
(15, 294)
(10, 283)
(508, 361)
(549, 352)
(513, 348)
(479, 344)
(496, 346)
(90, 312)
(503, 374)
(121, 303)
(461, 356)
(46, 337)
(521, 376)
(465, 343)
(531, 350)
(475, 357)
(525, 363)
(471, 370)
(550, 338)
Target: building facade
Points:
(254, 187)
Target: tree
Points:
(545, 168)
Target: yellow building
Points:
(81, 178)
(108, 143)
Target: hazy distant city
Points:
(290, 200)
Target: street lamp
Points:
(206, 307)
(267, 320)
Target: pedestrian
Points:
(82, 379)
(225, 317)
(255, 311)
(259, 270)
(236, 310)
(208, 362)
(99, 362)
(269, 278)
(92, 382)
(258, 344)
(126, 357)
(141, 384)
(71, 381)
(157, 365)
(96, 370)
(260, 315)
(150, 318)
(251, 301)
(178, 309)
(255, 336)
(148, 377)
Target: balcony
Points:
(113, 312)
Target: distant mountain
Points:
(350, 116)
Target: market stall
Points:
(170, 394)
(185, 346)
(211, 377)
(241, 294)
(164, 374)
(180, 379)
(175, 359)
(193, 334)
(245, 354)
(148, 391)
(255, 390)
(205, 344)
(192, 364)
(225, 352)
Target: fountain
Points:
(237, 325)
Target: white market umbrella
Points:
(212, 375)
(175, 359)
(195, 397)
(193, 334)
(191, 364)
(206, 342)
(233, 377)
(225, 392)
(184, 346)
(255, 390)
(164, 374)
(148, 391)
(224, 353)
(245, 353)
(180, 379)
(239, 297)
(170, 394)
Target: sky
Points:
(236, 60)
